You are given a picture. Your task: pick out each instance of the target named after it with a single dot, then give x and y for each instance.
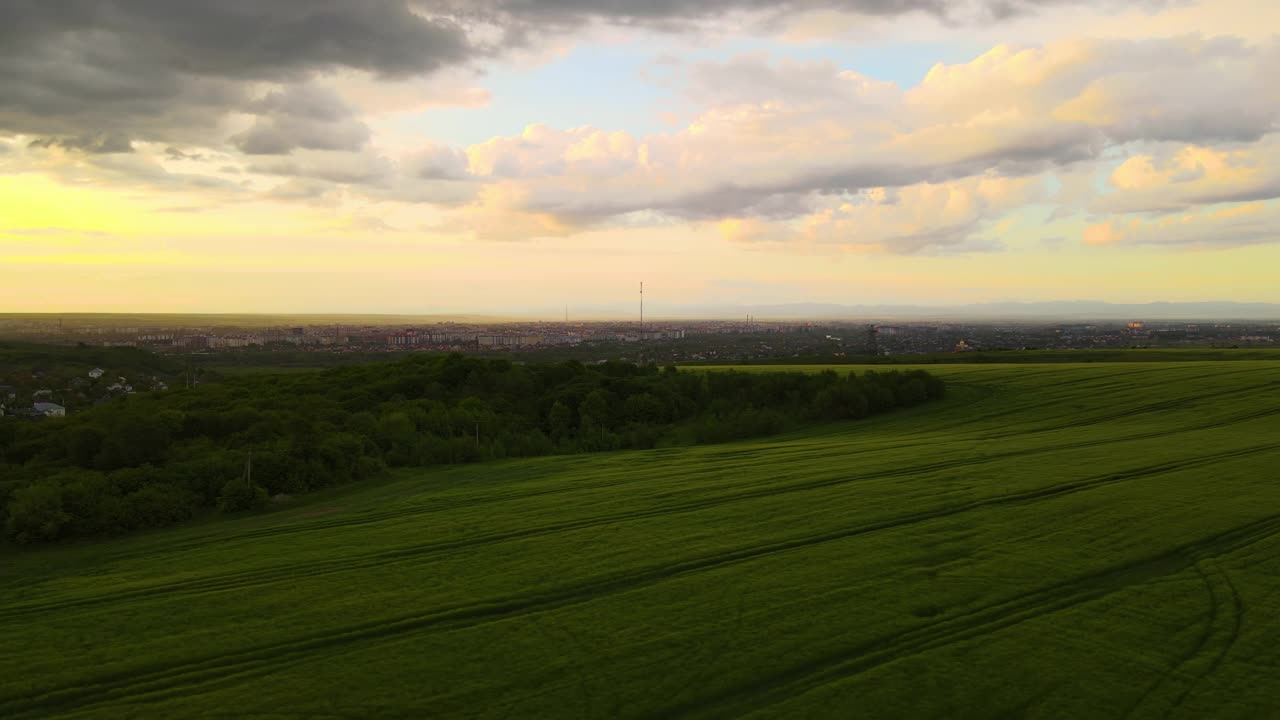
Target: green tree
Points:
(238, 495)
(560, 420)
(35, 513)
(594, 410)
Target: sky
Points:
(520, 156)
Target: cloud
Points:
(301, 189)
(375, 95)
(339, 167)
(1230, 226)
(93, 144)
(670, 13)
(147, 166)
(169, 70)
(439, 162)
(498, 214)
(301, 116)
(1175, 178)
(779, 137)
(792, 149)
(542, 151)
(928, 218)
(243, 38)
(174, 153)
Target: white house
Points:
(49, 409)
(96, 373)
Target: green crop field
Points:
(1065, 540)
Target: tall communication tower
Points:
(873, 337)
(642, 310)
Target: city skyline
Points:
(493, 156)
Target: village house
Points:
(48, 409)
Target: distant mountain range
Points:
(1084, 310)
(1077, 310)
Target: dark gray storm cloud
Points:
(251, 39)
(170, 69)
(302, 116)
(93, 144)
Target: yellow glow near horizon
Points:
(32, 203)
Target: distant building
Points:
(96, 373)
(48, 409)
(42, 395)
(407, 338)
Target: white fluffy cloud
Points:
(781, 139)
(1174, 178)
(928, 217)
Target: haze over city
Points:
(498, 156)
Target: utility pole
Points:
(641, 311)
(248, 470)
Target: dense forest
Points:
(156, 458)
(57, 360)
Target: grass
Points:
(1065, 540)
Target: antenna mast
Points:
(642, 310)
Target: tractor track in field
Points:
(1041, 401)
(762, 693)
(183, 676)
(1237, 620)
(961, 427)
(1206, 634)
(296, 571)
(377, 517)
(935, 438)
(135, 685)
(1127, 412)
(371, 518)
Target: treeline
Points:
(154, 459)
(28, 358)
(982, 357)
